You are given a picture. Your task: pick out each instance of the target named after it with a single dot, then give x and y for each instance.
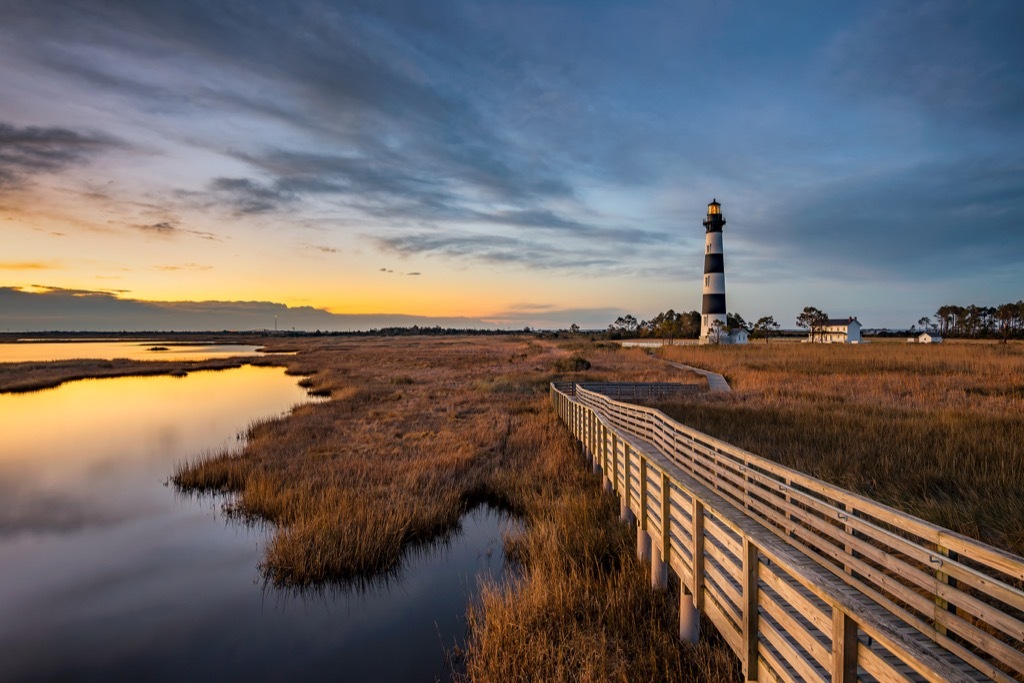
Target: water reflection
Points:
(107, 573)
(27, 351)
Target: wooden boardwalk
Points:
(715, 381)
(805, 581)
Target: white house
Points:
(929, 338)
(838, 331)
(738, 336)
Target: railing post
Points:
(844, 647)
(698, 554)
(659, 556)
(643, 539)
(626, 512)
(943, 577)
(666, 510)
(643, 492)
(615, 464)
(750, 614)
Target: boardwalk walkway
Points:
(804, 580)
(715, 381)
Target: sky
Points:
(338, 164)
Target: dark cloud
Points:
(26, 151)
(162, 228)
(928, 221)
(375, 76)
(958, 62)
(247, 196)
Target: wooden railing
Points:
(805, 580)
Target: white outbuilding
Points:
(929, 338)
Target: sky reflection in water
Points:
(106, 572)
(42, 352)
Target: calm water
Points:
(40, 352)
(107, 574)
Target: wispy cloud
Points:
(30, 150)
(169, 229)
(185, 266)
(30, 265)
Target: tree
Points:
(764, 327)
(734, 321)
(923, 323)
(812, 319)
(624, 324)
(574, 329)
(716, 331)
(1006, 314)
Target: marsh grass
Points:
(34, 376)
(418, 431)
(937, 431)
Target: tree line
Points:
(1005, 321)
(673, 325)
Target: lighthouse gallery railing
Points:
(805, 580)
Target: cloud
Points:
(497, 249)
(31, 150)
(866, 226)
(54, 308)
(247, 196)
(162, 228)
(550, 316)
(954, 61)
(186, 266)
(29, 265)
(169, 229)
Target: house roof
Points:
(841, 321)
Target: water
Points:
(24, 351)
(106, 573)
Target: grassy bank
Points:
(416, 432)
(937, 431)
(34, 376)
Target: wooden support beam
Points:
(844, 647)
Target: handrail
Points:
(949, 593)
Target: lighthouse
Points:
(713, 305)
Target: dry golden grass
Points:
(34, 376)
(419, 430)
(937, 431)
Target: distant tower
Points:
(713, 305)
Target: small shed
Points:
(929, 338)
(738, 336)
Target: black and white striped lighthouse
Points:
(713, 305)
